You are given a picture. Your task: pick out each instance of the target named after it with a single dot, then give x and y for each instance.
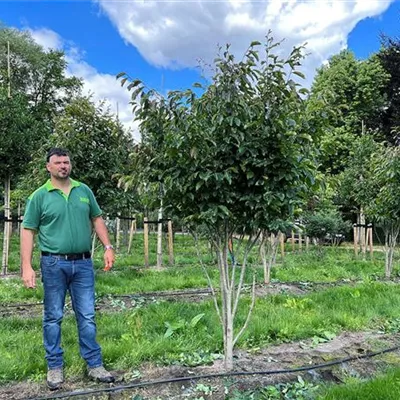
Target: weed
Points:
(299, 390)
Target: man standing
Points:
(62, 212)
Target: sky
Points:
(161, 42)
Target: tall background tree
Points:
(351, 94)
(33, 87)
(389, 121)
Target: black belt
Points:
(69, 257)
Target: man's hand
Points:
(109, 259)
(29, 277)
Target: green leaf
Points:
(250, 174)
(300, 74)
(134, 84)
(195, 320)
(123, 81)
(255, 43)
(120, 74)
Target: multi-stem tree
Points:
(233, 159)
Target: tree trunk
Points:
(362, 233)
(131, 232)
(230, 291)
(159, 237)
(117, 233)
(170, 243)
(282, 242)
(146, 241)
(93, 243)
(268, 252)
(391, 234)
(7, 216)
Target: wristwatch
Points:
(108, 247)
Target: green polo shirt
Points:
(63, 222)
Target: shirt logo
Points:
(84, 200)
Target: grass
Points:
(131, 337)
(129, 276)
(383, 387)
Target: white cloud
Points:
(47, 38)
(176, 34)
(101, 86)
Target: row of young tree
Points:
(242, 155)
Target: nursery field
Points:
(326, 327)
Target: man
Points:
(62, 212)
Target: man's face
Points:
(59, 167)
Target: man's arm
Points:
(28, 274)
(102, 233)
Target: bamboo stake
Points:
(170, 243)
(131, 232)
(146, 241)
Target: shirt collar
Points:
(49, 186)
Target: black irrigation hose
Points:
(129, 296)
(207, 376)
(167, 293)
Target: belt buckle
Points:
(66, 257)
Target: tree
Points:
(100, 150)
(385, 208)
(351, 94)
(389, 121)
(33, 87)
(234, 159)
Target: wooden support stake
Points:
(307, 243)
(170, 243)
(146, 241)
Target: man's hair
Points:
(56, 151)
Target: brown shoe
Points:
(100, 374)
(55, 378)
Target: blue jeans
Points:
(77, 277)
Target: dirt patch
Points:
(273, 358)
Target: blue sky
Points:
(160, 41)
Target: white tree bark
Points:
(7, 215)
